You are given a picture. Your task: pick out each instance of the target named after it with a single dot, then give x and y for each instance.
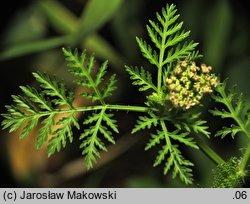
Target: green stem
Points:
(128, 108)
(95, 88)
(209, 152)
(114, 107)
(92, 108)
(164, 128)
(161, 59)
(244, 160)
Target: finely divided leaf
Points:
(155, 139)
(221, 113)
(167, 35)
(36, 97)
(147, 51)
(101, 73)
(181, 166)
(180, 52)
(171, 155)
(198, 125)
(183, 138)
(42, 105)
(45, 130)
(141, 78)
(233, 130)
(145, 122)
(192, 122)
(31, 124)
(62, 133)
(84, 69)
(161, 155)
(109, 87)
(108, 118)
(236, 109)
(101, 123)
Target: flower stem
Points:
(114, 107)
(90, 108)
(128, 108)
(209, 152)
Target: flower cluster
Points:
(189, 83)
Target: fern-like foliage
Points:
(141, 78)
(168, 46)
(84, 70)
(170, 153)
(167, 36)
(38, 105)
(235, 108)
(191, 122)
(100, 124)
(52, 106)
(145, 122)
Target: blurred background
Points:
(32, 35)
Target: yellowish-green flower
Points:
(189, 83)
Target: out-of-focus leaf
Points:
(123, 28)
(60, 17)
(56, 13)
(95, 15)
(217, 34)
(33, 47)
(65, 22)
(104, 50)
(25, 26)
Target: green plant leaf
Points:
(83, 68)
(45, 130)
(233, 130)
(147, 51)
(33, 47)
(236, 109)
(154, 140)
(183, 138)
(62, 133)
(145, 122)
(171, 155)
(60, 17)
(91, 143)
(93, 17)
(217, 33)
(141, 78)
(38, 105)
(167, 36)
(191, 122)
